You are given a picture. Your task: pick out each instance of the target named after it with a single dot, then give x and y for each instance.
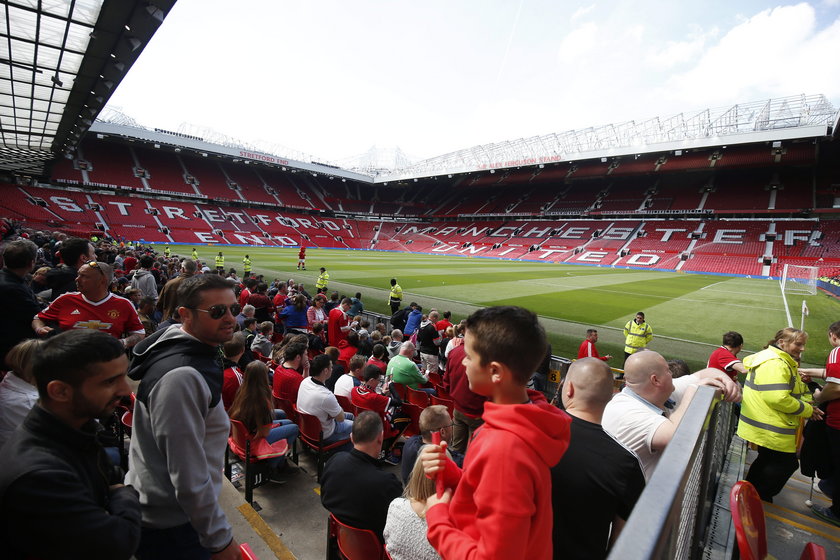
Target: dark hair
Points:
(72, 248)
(352, 338)
(371, 372)
(447, 314)
(190, 289)
(378, 350)
(299, 302)
(332, 352)
(19, 253)
(346, 300)
(67, 357)
(834, 328)
(147, 300)
(318, 364)
(679, 368)
(642, 313)
(234, 346)
(733, 339)
(393, 281)
(591, 331)
(146, 261)
(358, 295)
(248, 322)
(511, 336)
(188, 265)
(293, 350)
(366, 427)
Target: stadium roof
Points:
(59, 64)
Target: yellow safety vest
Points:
(246, 263)
(774, 400)
(220, 262)
(636, 336)
(396, 293)
(322, 280)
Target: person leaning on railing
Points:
(775, 398)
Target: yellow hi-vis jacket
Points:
(396, 293)
(774, 400)
(220, 261)
(246, 265)
(322, 281)
(636, 336)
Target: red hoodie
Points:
(501, 507)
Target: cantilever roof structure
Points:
(59, 64)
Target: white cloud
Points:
(581, 12)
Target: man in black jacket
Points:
(16, 298)
(60, 496)
(353, 487)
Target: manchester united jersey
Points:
(114, 314)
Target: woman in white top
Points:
(18, 393)
(405, 526)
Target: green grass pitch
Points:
(688, 312)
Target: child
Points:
(501, 506)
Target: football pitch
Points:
(688, 312)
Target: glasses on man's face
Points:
(218, 311)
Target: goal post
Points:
(798, 279)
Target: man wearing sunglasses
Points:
(92, 307)
(180, 427)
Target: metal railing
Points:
(672, 516)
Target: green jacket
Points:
(775, 398)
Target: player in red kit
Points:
(302, 258)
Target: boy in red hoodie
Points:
(501, 503)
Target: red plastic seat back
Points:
(413, 411)
(310, 427)
(812, 551)
(748, 517)
(420, 398)
(449, 404)
(356, 544)
(400, 390)
(260, 448)
(345, 404)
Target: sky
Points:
(334, 78)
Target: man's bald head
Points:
(640, 366)
(592, 380)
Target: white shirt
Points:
(633, 421)
(344, 385)
(17, 397)
(318, 401)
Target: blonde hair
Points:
(19, 359)
(419, 487)
(788, 335)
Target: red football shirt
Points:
(232, 380)
(832, 375)
(588, 350)
(286, 383)
(114, 314)
(337, 319)
(723, 360)
(363, 397)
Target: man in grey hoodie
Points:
(143, 279)
(180, 427)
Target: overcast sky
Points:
(333, 78)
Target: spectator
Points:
(428, 339)
(405, 525)
(353, 487)
(314, 398)
(93, 307)
(53, 466)
(523, 434)
(356, 305)
(245, 294)
(16, 298)
(434, 418)
(263, 308)
(726, 359)
(316, 315)
(638, 416)
(146, 312)
(348, 348)
(353, 378)
(444, 323)
(775, 398)
(294, 315)
(337, 369)
(18, 393)
(395, 344)
(365, 344)
(167, 303)
(74, 252)
(377, 358)
(678, 368)
(180, 427)
(400, 317)
(332, 303)
(469, 406)
(232, 377)
(339, 323)
(402, 369)
(262, 342)
(413, 321)
(365, 396)
(247, 312)
(596, 473)
(287, 377)
(829, 395)
(143, 279)
(637, 335)
(587, 347)
(253, 407)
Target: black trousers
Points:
(770, 472)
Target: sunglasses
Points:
(95, 265)
(218, 311)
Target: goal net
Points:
(798, 279)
